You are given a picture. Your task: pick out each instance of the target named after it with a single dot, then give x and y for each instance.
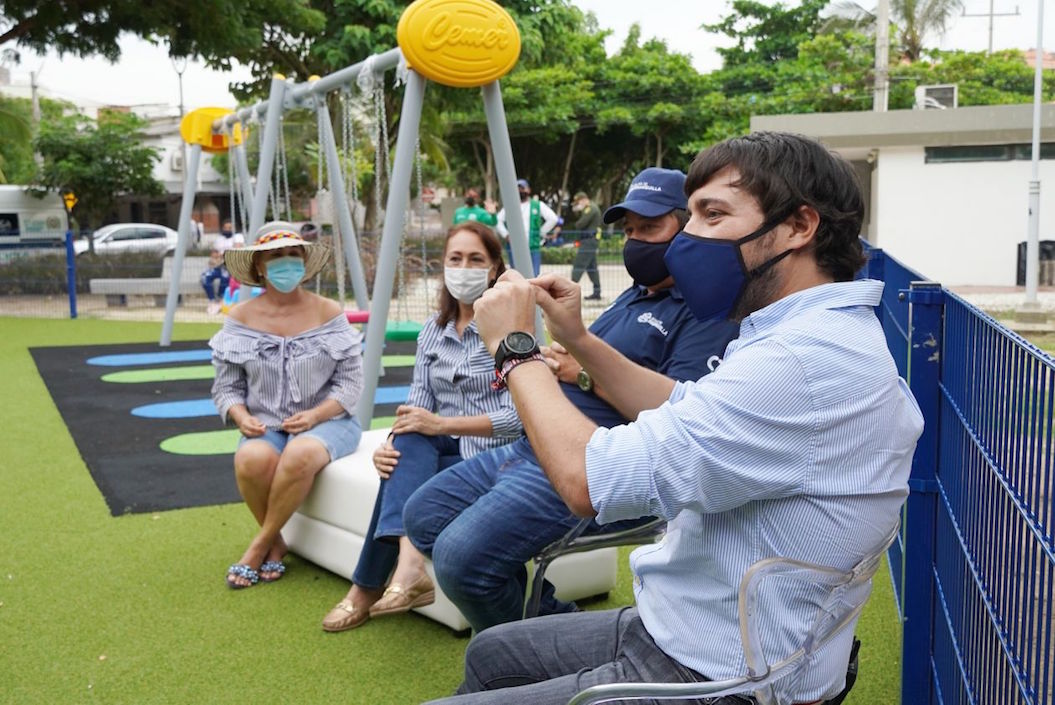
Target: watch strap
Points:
(508, 366)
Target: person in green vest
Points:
(539, 219)
(587, 230)
(472, 211)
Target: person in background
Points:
(588, 238)
(538, 218)
(288, 375)
(216, 279)
(472, 211)
(452, 413)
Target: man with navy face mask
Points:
(482, 519)
(798, 446)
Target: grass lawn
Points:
(132, 609)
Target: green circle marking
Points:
(203, 443)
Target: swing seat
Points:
(356, 316)
(402, 330)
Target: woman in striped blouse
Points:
(452, 413)
(289, 375)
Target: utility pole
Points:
(882, 65)
(33, 87)
(991, 14)
(1033, 229)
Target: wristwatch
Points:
(518, 345)
(584, 381)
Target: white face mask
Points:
(466, 284)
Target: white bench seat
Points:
(117, 290)
(330, 527)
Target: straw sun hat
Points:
(274, 236)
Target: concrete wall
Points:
(957, 223)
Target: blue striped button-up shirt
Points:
(452, 377)
(276, 377)
(799, 446)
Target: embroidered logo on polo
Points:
(651, 320)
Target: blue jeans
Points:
(545, 661)
(421, 457)
(208, 282)
(481, 521)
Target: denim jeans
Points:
(421, 457)
(209, 280)
(545, 661)
(481, 521)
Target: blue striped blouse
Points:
(452, 377)
(276, 377)
(799, 446)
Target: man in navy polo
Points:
(482, 519)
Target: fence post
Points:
(926, 308)
(71, 272)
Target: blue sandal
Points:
(241, 570)
(272, 567)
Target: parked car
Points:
(130, 237)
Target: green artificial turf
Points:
(133, 609)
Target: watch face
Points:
(584, 381)
(520, 342)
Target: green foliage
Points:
(766, 33)
(912, 22)
(16, 138)
(45, 275)
(97, 160)
(216, 30)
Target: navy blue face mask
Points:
(710, 272)
(644, 261)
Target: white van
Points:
(28, 222)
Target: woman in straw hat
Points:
(289, 375)
(452, 413)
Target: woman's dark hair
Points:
(784, 171)
(447, 304)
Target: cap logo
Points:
(643, 186)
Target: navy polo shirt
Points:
(657, 331)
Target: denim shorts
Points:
(340, 436)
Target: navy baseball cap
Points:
(523, 183)
(652, 193)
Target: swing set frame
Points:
(225, 131)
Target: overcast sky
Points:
(145, 74)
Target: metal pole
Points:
(241, 162)
(880, 97)
(1033, 235)
(71, 269)
(391, 236)
(349, 238)
(267, 157)
(505, 169)
(190, 182)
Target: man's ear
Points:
(804, 222)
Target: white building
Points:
(946, 190)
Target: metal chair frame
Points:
(575, 542)
(830, 620)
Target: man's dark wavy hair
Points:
(784, 171)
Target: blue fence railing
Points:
(974, 571)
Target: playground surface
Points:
(131, 609)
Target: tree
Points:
(98, 160)
(766, 33)
(914, 21)
(17, 165)
(212, 29)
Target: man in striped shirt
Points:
(799, 445)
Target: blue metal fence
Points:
(975, 567)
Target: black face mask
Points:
(644, 261)
(470, 201)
